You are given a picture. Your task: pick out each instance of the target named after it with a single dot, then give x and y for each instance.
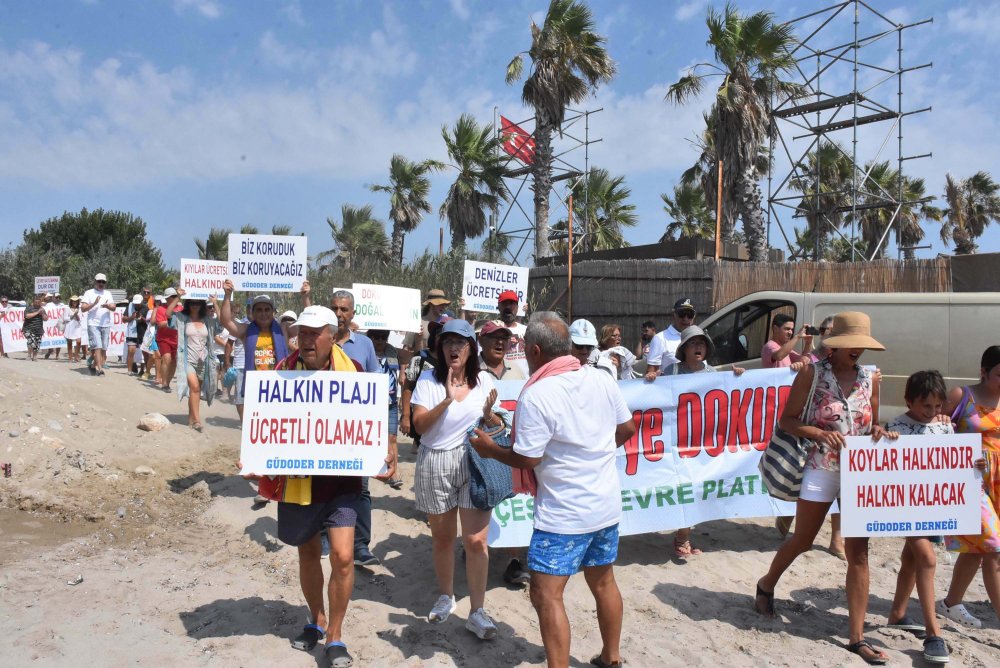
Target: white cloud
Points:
(293, 12)
(460, 9)
(210, 9)
(690, 9)
(980, 21)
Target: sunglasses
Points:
(101, 282)
(379, 338)
(687, 315)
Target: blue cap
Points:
(458, 326)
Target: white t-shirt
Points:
(663, 347)
(515, 355)
(448, 432)
(98, 316)
(569, 421)
(239, 352)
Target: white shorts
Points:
(819, 485)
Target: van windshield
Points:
(741, 334)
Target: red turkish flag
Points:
(517, 141)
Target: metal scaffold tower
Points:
(516, 218)
(850, 67)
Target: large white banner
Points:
(914, 486)
(202, 279)
(267, 263)
(12, 321)
(694, 456)
(483, 282)
(315, 423)
(45, 284)
(386, 307)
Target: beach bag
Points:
(490, 481)
(229, 378)
(784, 458)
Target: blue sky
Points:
(201, 113)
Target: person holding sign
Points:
(98, 304)
(842, 399)
(976, 409)
(34, 326)
(263, 340)
(196, 330)
(73, 330)
(446, 402)
(330, 503)
(925, 396)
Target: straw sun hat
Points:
(852, 329)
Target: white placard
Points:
(914, 486)
(315, 423)
(483, 283)
(386, 307)
(264, 263)
(45, 284)
(203, 278)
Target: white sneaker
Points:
(481, 624)
(442, 609)
(957, 613)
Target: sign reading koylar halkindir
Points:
(315, 423)
(484, 282)
(202, 279)
(45, 284)
(914, 486)
(386, 307)
(267, 262)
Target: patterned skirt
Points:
(34, 339)
(989, 539)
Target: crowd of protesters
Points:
(442, 393)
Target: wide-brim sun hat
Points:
(693, 332)
(851, 329)
(436, 298)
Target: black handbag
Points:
(784, 459)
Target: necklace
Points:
(462, 384)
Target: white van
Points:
(947, 331)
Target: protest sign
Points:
(267, 262)
(386, 307)
(693, 459)
(315, 423)
(484, 282)
(913, 486)
(116, 339)
(45, 284)
(12, 322)
(202, 279)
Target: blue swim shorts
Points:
(565, 554)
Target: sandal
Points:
(337, 655)
(767, 596)
(683, 549)
(601, 663)
(874, 657)
(309, 638)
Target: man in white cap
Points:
(98, 304)
(664, 345)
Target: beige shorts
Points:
(442, 480)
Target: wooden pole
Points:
(718, 217)
(569, 271)
(441, 241)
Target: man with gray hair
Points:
(570, 420)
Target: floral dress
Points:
(972, 418)
(830, 410)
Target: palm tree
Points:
(882, 187)
(692, 219)
(215, 246)
(249, 229)
(824, 180)
(600, 205)
(973, 204)
(360, 237)
(281, 230)
(751, 54)
(408, 188)
(569, 61)
(495, 248)
(908, 228)
(478, 187)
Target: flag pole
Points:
(718, 217)
(569, 271)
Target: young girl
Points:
(925, 396)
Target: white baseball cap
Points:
(288, 315)
(582, 333)
(169, 292)
(101, 277)
(316, 316)
(137, 299)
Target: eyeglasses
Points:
(455, 343)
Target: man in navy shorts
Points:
(570, 420)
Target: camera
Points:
(812, 331)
